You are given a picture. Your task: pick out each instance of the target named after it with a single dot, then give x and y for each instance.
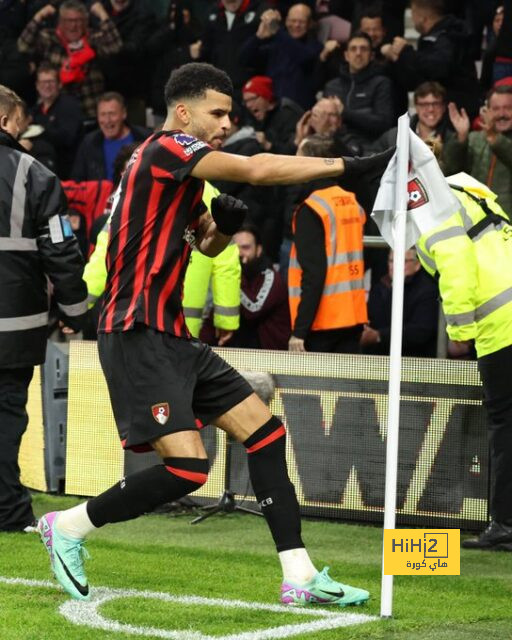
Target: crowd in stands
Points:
(92, 75)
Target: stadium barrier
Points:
(334, 407)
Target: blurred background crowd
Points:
(323, 77)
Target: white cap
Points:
(468, 182)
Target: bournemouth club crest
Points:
(161, 412)
(417, 194)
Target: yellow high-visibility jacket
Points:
(474, 268)
(223, 272)
(95, 272)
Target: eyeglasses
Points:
(433, 105)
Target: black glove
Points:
(228, 213)
(371, 165)
(76, 323)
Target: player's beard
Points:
(202, 134)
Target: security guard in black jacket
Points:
(37, 246)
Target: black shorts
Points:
(160, 384)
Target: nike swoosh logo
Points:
(80, 588)
(336, 594)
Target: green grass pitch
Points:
(232, 558)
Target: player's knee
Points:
(191, 472)
(270, 436)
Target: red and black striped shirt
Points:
(153, 221)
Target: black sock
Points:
(271, 484)
(147, 489)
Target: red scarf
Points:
(79, 54)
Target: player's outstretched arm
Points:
(268, 168)
(265, 168)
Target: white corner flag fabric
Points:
(430, 199)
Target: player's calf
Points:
(271, 483)
(145, 490)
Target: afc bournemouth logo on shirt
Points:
(160, 412)
(417, 194)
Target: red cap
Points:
(504, 82)
(260, 86)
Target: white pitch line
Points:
(86, 614)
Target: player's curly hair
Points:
(194, 79)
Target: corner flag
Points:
(430, 200)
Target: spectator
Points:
(264, 313)
(127, 70)
(326, 118)
(486, 77)
(36, 246)
(59, 114)
(372, 23)
(31, 137)
(229, 27)
(430, 123)
(169, 47)
(365, 92)
(478, 15)
(502, 67)
(290, 55)
(420, 312)
(486, 154)
(325, 276)
(391, 10)
(72, 48)
(98, 150)
(443, 55)
(273, 119)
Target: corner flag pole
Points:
(395, 354)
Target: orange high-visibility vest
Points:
(343, 301)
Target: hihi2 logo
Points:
(422, 552)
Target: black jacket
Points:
(444, 55)
(444, 130)
(127, 71)
(35, 243)
(89, 161)
(420, 315)
(292, 63)
(279, 126)
(367, 98)
(62, 127)
(221, 45)
(168, 47)
(263, 201)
